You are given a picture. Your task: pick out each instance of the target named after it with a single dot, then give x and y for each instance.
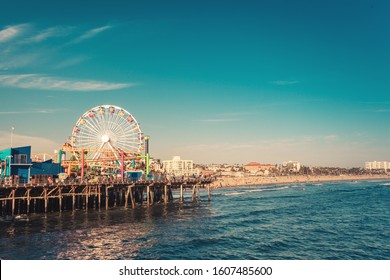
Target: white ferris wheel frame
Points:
(105, 131)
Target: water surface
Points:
(338, 220)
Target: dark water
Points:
(343, 220)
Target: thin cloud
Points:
(20, 60)
(218, 120)
(57, 31)
(11, 32)
(23, 45)
(284, 82)
(70, 62)
(236, 114)
(91, 33)
(40, 111)
(35, 81)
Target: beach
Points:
(230, 181)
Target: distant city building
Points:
(155, 165)
(179, 167)
(292, 166)
(255, 167)
(377, 165)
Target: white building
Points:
(382, 165)
(292, 166)
(179, 167)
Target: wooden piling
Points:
(60, 198)
(208, 193)
(152, 195)
(115, 196)
(86, 197)
(148, 195)
(28, 200)
(181, 194)
(193, 193)
(120, 196)
(132, 198)
(99, 196)
(13, 202)
(106, 197)
(127, 196)
(45, 198)
(73, 198)
(165, 194)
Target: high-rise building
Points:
(377, 165)
(179, 167)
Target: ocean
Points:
(312, 221)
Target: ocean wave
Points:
(234, 193)
(250, 191)
(256, 190)
(278, 189)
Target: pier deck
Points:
(41, 198)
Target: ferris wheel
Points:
(106, 131)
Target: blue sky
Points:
(212, 81)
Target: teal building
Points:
(16, 162)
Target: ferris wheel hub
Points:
(105, 138)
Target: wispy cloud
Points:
(20, 60)
(36, 81)
(56, 31)
(39, 111)
(26, 45)
(21, 50)
(238, 114)
(11, 32)
(91, 33)
(71, 62)
(284, 82)
(218, 120)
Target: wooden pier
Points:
(57, 197)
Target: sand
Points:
(227, 181)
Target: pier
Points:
(17, 199)
(105, 163)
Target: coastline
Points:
(227, 181)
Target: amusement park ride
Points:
(106, 140)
